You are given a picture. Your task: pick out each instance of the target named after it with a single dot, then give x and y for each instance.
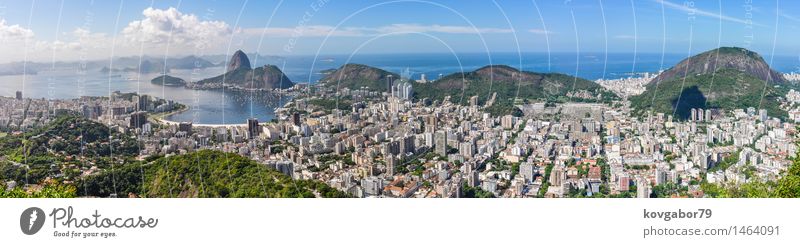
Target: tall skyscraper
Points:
(700, 117)
(642, 189)
(472, 179)
(19, 95)
(407, 144)
(762, 115)
(408, 91)
(660, 175)
(440, 143)
(391, 164)
(253, 129)
(403, 90)
(467, 149)
(557, 176)
(138, 119)
(144, 102)
(296, 118)
(526, 171)
(389, 83)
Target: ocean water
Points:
(205, 106)
(231, 107)
(590, 66)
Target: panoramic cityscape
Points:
(226, 118)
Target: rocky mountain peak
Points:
(239, 60)
(712, 61)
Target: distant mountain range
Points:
(724, 78)
(147, 64)
(18, 68)
(154, 65)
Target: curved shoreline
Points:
(161, 119)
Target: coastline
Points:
(160, 119)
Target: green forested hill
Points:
(74, 141)
(168, 80)
(355, 76)
(68, 135)
(726, 89)
(511, 84)
(204, 173)
(725, 78)
(734, 58)
(68, 141)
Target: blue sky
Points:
(41, 30)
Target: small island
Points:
(170, 81)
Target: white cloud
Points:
(13, 32)
(322, 30)
(75, 40)
(169, 30)
(161, 26)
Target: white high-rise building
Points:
(700, 117)
(403, 90)
(526, 171)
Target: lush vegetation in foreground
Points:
(49, 189)
(786, 187)
(206, 173)
(68, 135)
(52, 157)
